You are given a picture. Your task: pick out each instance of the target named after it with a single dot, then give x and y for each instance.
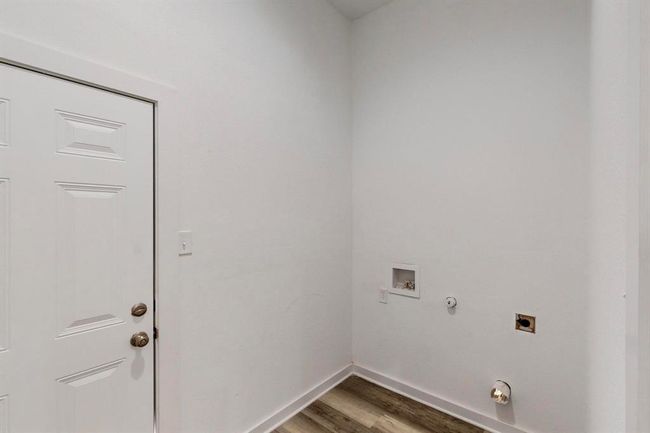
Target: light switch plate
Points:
(185, 243)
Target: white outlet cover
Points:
(185, 243)
(383, 295)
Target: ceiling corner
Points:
(355, 9)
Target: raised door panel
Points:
(4, 122)
(4, 265)
(90, 267)
(4, 414)
(93, 400)
(82, 135)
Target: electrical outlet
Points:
(185, 243)
(383, 295)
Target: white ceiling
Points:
(354, 9)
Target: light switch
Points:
(184, 243)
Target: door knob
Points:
(139, 309)
(139, 339)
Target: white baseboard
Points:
(483, 421)
(480, 420)
(302, 402)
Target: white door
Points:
(76, 253)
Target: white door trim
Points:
(49, 61)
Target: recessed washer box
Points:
(404, 280)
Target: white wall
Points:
(614, 235)
(490, 150)
(259, 170)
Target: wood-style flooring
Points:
(358, 406)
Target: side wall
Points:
(261, 175)
(490, 148)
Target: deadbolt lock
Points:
(139, 309)
(139, 339)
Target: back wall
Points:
(490, 150)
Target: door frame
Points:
(33, 57)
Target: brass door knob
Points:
(139, 309)
(139, 339)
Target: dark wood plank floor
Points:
(358, 406)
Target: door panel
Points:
(90, 269)
(90, 136)
(4, 265)
(4, 421)
(76, 252)
(91, 400)
(4, 123)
